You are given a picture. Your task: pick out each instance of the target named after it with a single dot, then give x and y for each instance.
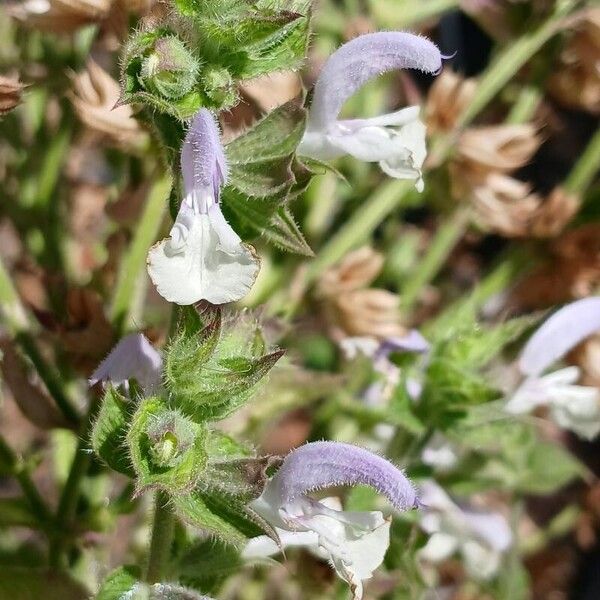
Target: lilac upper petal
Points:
(413, 341)
(133, 357)
(203, 161)
(361, 59)
(320, 465)
(560, 333)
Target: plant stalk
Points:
(163, 526)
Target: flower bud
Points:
(170, 435)
(169, 70)
(219, 86)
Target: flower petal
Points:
(361, 59)
(319, 465)
(203, 162)
(560, 333)
(204, 263)
(133, 357)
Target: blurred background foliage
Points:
(507, 227)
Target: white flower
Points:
(204, 259)
(573, 407)
(480, 537)
(354, 542)
(440, 453)
(396, 140)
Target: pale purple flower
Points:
(204, 259)
(396, 140)
(354, 542)
(572, 406)
(481, 537)
(379, 352)
(133, 357)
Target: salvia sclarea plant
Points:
(438, 416)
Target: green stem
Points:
(355, 231)
(525, 105)
(360, 225)
(14, 316)
(19, 470)
(163, 526)
(500, 72)
(67, 505)
(511, 59)
(446, 237)
(586, 168)
(387, 13)
(135, 259)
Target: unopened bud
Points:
(170, 435)
(219, 86)
(169, 70)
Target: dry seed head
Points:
(95, 94)
(448, 98)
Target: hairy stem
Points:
(67, 506)
(163, 525)
(135, 260)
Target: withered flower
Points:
(507, 207)
(86, 335)
(447, 99)
(572, 271)
(576, 80)
(11, 90)
(498, 147)
(95, 96)
(504, 205)
(351, 309)
(60, 16)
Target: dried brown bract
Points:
(60, 16)
(507, 206)
(11, 91)
(447, 100)
(571, 271)
(86, 334)
(353, 309)
(576, 80)
(95, 96)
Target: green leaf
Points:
(274, 137)
(264, 176)
(110, 431)
(120, 584)
(36, 584)
(229, 521)
(207, 564)
(548, 468)
(167, 448)
(253, 41)
(125, 584)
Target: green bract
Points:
(166, 448)
(197, 55)
(212, 371)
